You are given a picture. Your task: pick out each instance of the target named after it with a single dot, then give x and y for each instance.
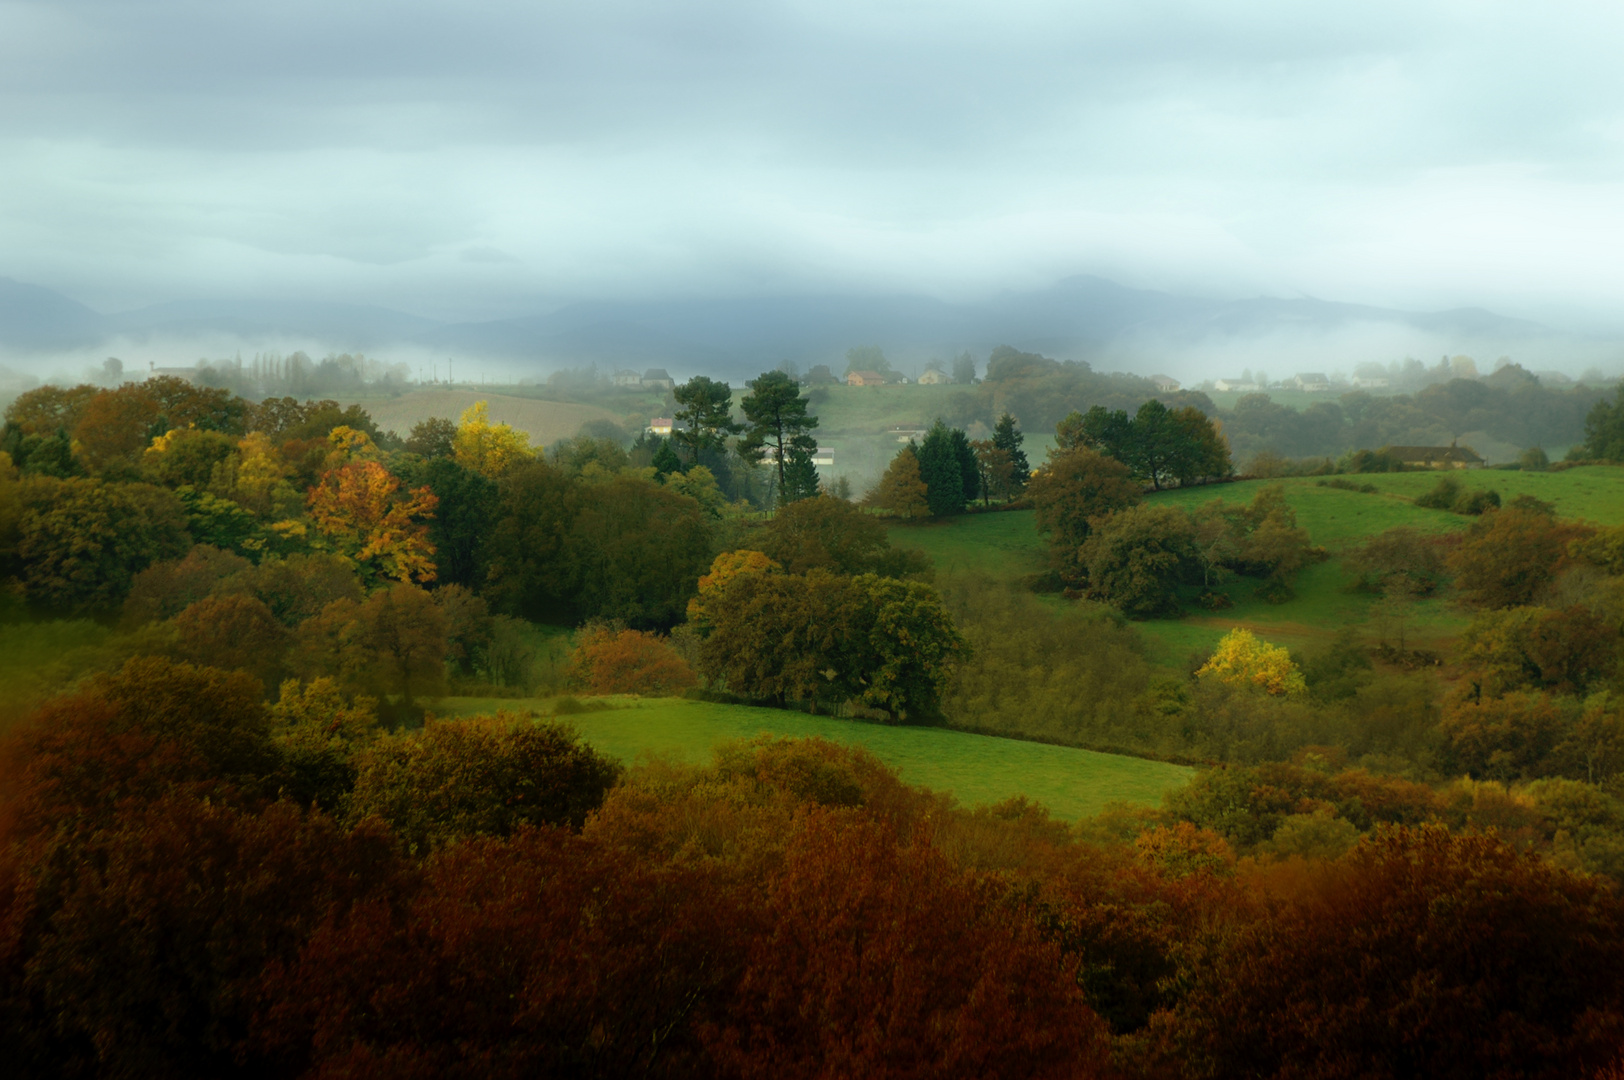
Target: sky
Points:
(477, 159)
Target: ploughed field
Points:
(1008, 546)
(975, 769)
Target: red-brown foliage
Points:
(543, 955)
(1421, 953)
(628, 662)
(883, 960)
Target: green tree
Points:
(704, 416)
(778, 427)
(432, 438)
(635, 551)
(1139, 557)
(392, 643)
(800, 478)
(911, 647)
(969, 465)
(1604, 431)
(80, 543)
(942, 472)
(529, 570)
(827, 533)
(1006, 436)
(665, 460)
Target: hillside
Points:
(1007, 546)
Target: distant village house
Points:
(1241, 386)
(1311, 381)
(626, 380)
(1435, 457)
(865, 378)
(1166, 384)
(656, 378)
(934, 377)
(661, 425)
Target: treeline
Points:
(198, 883)
(1041, 391)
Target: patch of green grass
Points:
(1593, 493)
(1002, 545)
(976, 769)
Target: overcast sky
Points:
(478, 158)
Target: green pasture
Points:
(1007, 546)
(976, 769)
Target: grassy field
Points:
(1008, 546)
(976, 769)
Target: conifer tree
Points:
(939, 468)
(1007, 437)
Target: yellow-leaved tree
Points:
(727, 566)
(1243, 659)
(487, 448)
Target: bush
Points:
(607, 661)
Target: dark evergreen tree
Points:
(704, 418)
(939, 468)
(969, 467)
(800, 478)
(778, 431)
(1007, 437)
(665, 460)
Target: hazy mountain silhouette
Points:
(1075, 318)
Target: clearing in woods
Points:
(975, 769)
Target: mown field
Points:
(976, 769)
(1007, 545)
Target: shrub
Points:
(607, 661)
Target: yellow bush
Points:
(1241, 659)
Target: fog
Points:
(474, 162)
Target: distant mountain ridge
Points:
(1079, 317)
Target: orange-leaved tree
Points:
(362, 509)
(628, 662)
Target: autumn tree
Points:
(361, 509)
(235, 633)
(902, 489)
(1510, 555)
(1402, 956)
(489, 449)
(1241, 659)
(479, 777)
(778, 426)
(1074, 486)
(391, 643)
(608, 661)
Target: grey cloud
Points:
(472, 155)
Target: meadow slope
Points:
(976, 769)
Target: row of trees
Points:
(948, 471)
